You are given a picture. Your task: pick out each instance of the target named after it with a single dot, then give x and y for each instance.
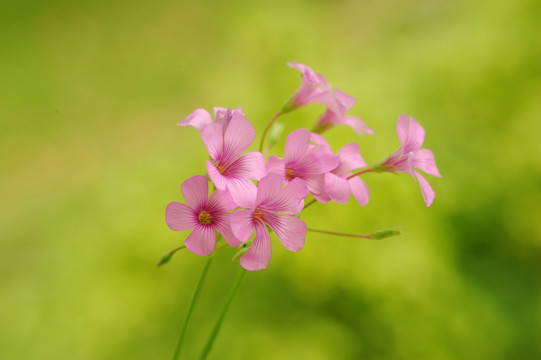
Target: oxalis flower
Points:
(337, 185)
(225, 142)
(410, 156)
(274, 206)
(202, 214)
(200, 118)
(305, 161)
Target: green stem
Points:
(362, 236)
(190, 309)
(364, 171)
(267, 130)
(218, 324)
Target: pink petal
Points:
(410, 133)
(359, 190)
(238, 136)
(290, 230)
(180, 217)
(337, 188)
(296, 145)
(195, 191)
(242, 190)
(349, 159)
(252, 165)
(328, 99)
(426, 189)
(242, 223)
(268, 189)
(424, 159)
(202, 240)
(199, 119)
(316, 185)
(217, 178)
(319, 140)
(224, 115)
(221, 201)
(291, 198)
(223, 226)
(356, 123)
(345, 101)
(318, 160)
(277, 166)
(213, 138)
(259, 255)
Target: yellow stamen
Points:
(205, 217)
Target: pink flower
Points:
(314, 87)
(200, 118)
(266, 207)
(336, 115)
(337, 185)
(305, 161)
(202, 214)
(410, 156)
(225, 142)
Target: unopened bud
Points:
(244, 247)
(164, 259)
(385, 233)
(275, 134)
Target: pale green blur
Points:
(90, 95)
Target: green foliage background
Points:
(90, 155)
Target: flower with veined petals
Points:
(336, 115)
(229, 169)
(337, 185)
(274, 206)
(305, 161)
(202, 214)
(315, 89)
(200, 118)
(410, 156)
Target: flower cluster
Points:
(252, 194)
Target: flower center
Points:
(290, 174)
(205, 217)
(257, 214)
(220, 168)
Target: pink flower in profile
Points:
(229, 169)
(337, 185)
(336, 115)
(410, 156)
(200, 118)
(314, 87)
(274, 206)
(202, 214)
(305, 161)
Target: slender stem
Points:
(367, 170)
(267, 130)
(190, 309)
(218, 324)
(310, 203)
(363, 236)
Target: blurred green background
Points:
(90, 155)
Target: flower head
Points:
(272, 205)
(305, 161)
(202, 214)
(228, 168)
(410, 156)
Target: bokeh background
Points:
(90, 155)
